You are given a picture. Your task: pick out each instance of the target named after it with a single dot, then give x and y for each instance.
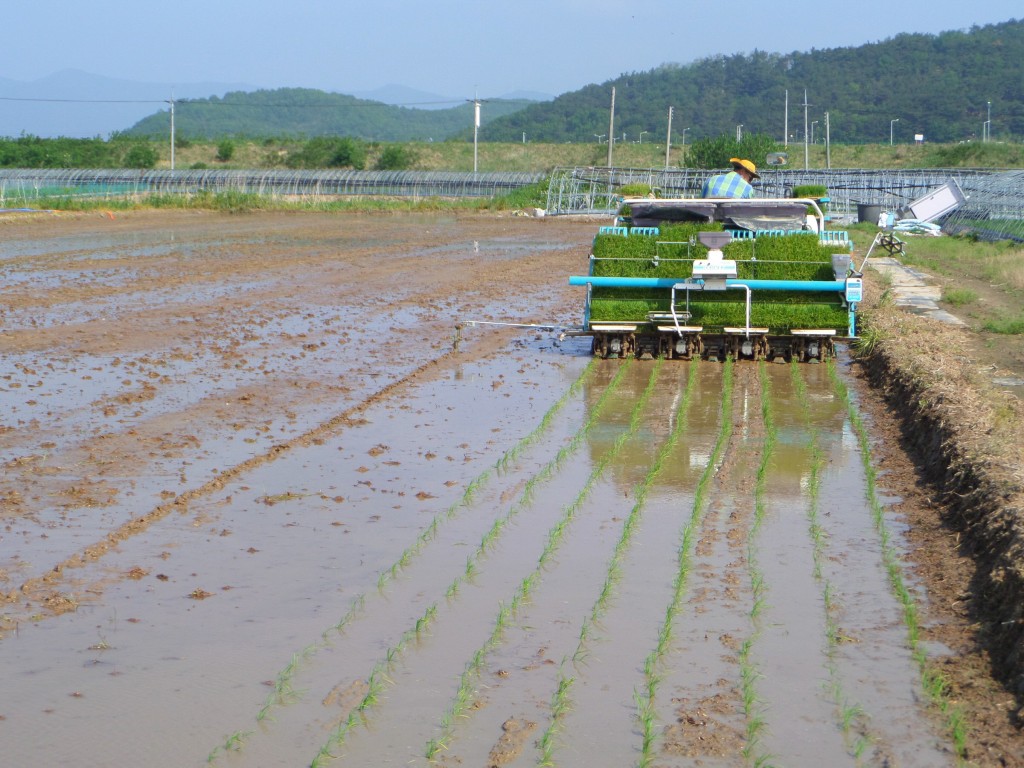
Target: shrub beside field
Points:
(344, 152)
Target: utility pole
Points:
(785, 127)
(683, 149)
(172, 131)
(806, 155)
(611, 128)
(668, 136)
(828, 143)
(476, 127)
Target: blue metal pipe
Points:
(837, 286)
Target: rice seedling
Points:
(937, 692)
(453, 590)
(232, 743)
(560, 705)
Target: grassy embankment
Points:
(981, 282)
(541, 158)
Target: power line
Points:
(220, 103)
(88, 101)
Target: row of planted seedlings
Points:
(465, 695)
(655, 662)
(753, 708)
(934, 683)
(561, 697)
(379, 677)
(670, 254)
(853, 720)
(284, 692)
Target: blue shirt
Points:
(729, 184)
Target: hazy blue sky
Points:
(440, 46)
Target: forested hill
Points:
(935, 85)
(306, 112)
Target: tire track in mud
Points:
(153, 421)
(43, 590)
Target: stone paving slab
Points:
(913, 289)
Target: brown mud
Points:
(253, 494)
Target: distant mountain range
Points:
(306, 112)
(78, 104)
(400, 95)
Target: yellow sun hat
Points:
(736, 161)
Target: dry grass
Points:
(937, 357)
(965, 434)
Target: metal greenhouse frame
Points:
(994, 208)
(595, 189)
(26, 184)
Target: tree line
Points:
(940, 86)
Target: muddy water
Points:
(319, 581)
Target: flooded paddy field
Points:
(257, 509)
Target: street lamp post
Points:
(892, 124)
(739, 132)
(988, 123)
(642, 137)
(476, 127)
(599, 137)
(682, 149)
(813, 123)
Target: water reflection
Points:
(795, 422)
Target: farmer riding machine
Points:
(711, 278)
